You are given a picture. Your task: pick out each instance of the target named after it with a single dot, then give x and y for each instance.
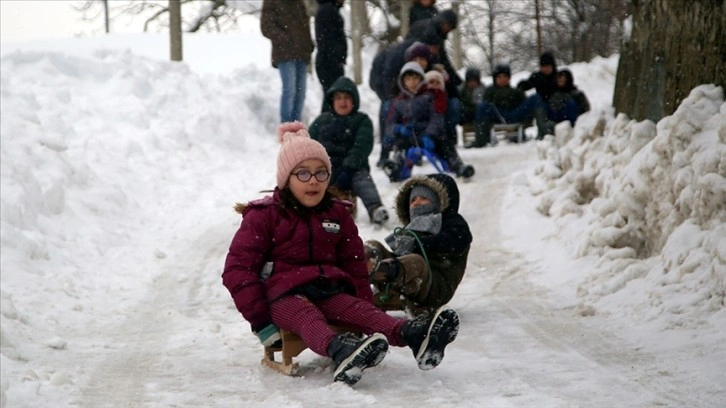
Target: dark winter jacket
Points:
(318, 246)
(470, 97)
(331, 42)
(447, 251)
(417, 110)
(347, 139)
(392, 64)
(419, 12)
(505, 98)
(426, 28)
(287, 25)
(545, 85)
(570, 91)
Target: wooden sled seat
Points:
(292, 346)
(508, 131)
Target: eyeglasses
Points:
(306, 175)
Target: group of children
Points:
(556, 99)
(297, 263)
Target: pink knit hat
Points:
(297, 146)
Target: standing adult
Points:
(287, 25)
(331, 43)
(441, 25)
(422, 10)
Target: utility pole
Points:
(175, 32)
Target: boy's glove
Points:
(402, 131)
(403, 245)
(269, 336)
(344, 181)
(428, 143)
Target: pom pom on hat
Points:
(437, 76)
(297, 146)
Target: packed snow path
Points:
(185, 345)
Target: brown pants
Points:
(414, 277)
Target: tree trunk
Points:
(675, 45)
(175, 33)
(106, 20)
(359, 28)
(456, 55)
(405, 16)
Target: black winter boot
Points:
(465, 171)
(483, 134)
(352, 355)
(429, 334)
(544, 125)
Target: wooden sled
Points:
(511, 131)
(292, 346)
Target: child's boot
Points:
(429, 334)
(352, 355)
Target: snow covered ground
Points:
(597, 277)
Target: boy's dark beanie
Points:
(547, 58)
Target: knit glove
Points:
(402, 131)
(428, 143)
(269, 336)
(344, 181)
(402, 245)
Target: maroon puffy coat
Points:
(324, 245)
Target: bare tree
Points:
(661, 63)
(197, 15)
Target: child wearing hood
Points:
(427, 258)
(416, 118)
(347, 135)
(297, 263)
(568, 102)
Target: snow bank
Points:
(87, 145)
(652, 200)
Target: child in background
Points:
(347, 135)
(568, 102)
(297, 263)
(416, 119)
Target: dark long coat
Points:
(331, 44)
(287, 25)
